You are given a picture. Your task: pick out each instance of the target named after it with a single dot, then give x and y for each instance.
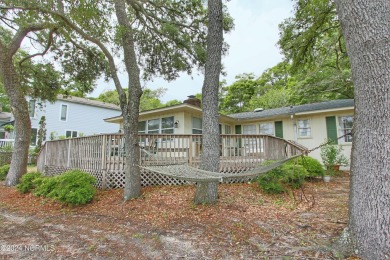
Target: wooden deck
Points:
(104, 155)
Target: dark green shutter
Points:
(279, 129)
(331, 128)
(238, 129)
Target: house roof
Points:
(269, 113)
(183, 107)
(285, 111)
(89, 102)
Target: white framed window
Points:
(345, 127)
(267, 128)
(31, 107)
(64, 113)
(163, 125)
(196, 125)
(304, 128)
(249, 130)
(34, 136)
(142, 127)
(167, 125)
(228, 129)
(70, 134)
(153, 126)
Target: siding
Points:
(82, 118)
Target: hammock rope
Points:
(189, 173)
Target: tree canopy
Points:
(316, 66)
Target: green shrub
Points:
(293, 175)
(73, 187)
(29, 182)
(4, 171)
(313, 166)
(281, 178)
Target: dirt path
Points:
(164, 224)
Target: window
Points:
(142, 127)
(196, 125)
(2, 135)
(154, 126)
(71, 134)
(34, 134)
(304, 129)
(345, 127)
(249, 130)
(228, 129)
(167, 124)
(31, 107)
(267, 129)
(164, 125)
(64, 112)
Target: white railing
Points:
(7, 142)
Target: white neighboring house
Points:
(71, 117)
(6, 137)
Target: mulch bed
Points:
(164, 223)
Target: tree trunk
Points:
(130, 110)
(19, 109)
(366, 28)
(207, 192)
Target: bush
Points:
(29, 182)
(312, 166)
(4, 171)
(73, 187)
(281, 178)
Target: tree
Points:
(366, 28)
(207, 192)
(150, 99)
(312, 41)
(163, 38)
(235, 98)
(21, 76)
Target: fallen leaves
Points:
(244, 223)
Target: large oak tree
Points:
(366, 28)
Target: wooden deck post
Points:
(69, 149)
(103, 165)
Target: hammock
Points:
(188, 173)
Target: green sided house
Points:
(308, 125)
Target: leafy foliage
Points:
(332, 154)
(312, 41)
(150, 99)
(312, 166)
(278, 180)
(4, 171)
(235, 98)
(29, 182)
(73, 187)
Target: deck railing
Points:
(104, 155)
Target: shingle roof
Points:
(283, 111)
(89, 102)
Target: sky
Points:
(253, 48)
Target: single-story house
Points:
(309, 125)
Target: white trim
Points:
(324, 111)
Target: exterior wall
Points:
(290, 131)
(84, 119)
(182, 127)
(318, 130)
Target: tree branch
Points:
(21, 34)
(48, 44)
